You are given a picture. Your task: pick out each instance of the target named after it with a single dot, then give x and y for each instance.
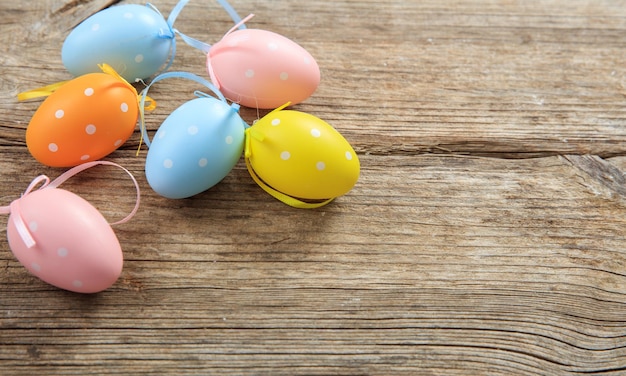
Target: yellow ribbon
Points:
(106, 68)
(284, 198)
(40, 92)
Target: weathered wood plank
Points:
(444, 263)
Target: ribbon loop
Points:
(35, 182)
(144, 96)
(75, 170)
(14, 207)
(195, 43)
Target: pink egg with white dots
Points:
(262, 69)
(73, 246)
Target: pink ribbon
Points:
(14, 207)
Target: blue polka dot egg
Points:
(298, 157)
(197, 145)
(135, 40)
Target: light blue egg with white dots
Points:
(134, 39)
(197, 145)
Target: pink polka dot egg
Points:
(262, 69)
(84, 120)
(300, 156)
(63, 239)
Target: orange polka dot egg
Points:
(294, 155)
(85, 119)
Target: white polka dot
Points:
(249, 73)
(306, 60)
(117, 143)
(89, 91)
(53, 147)
(168, 163)
(348, 156)
(139, 58)
(162, 134)
(36, 267)
(285, 155)
(229, 140)
(272, 46)
(95, 27)
(124, 107)
(284, 76)
(192, 130)
(90, 129)
(62, 252)
(320, 165)
(275, 122)
(128, 15)
(77, 283)
(59, 114)
(84, 157)
(202, 162)
(315, 132)
(33, 226)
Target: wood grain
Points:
(485, 235)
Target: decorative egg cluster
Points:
(296, 157)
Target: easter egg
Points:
(74, 247)
(197, 145)
(134, 39)
(84, 120)
(262, 69)
(301, 156)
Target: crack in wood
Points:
(599, 171)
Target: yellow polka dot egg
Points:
(297, 156)
(85, 119)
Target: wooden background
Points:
(486, 235)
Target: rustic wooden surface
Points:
(486, 234)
